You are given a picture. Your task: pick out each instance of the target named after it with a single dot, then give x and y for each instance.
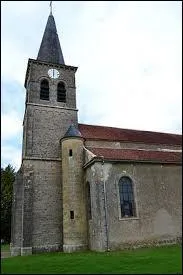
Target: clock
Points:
(53, 73)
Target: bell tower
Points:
(50, 97)
(50, 109)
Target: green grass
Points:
(5, 248)
(140, 261)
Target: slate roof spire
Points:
(72, 132)
(50, 49)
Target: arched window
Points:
(88, 201)
(126, 197)
(61, 92)
(44, 90)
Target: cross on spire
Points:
(50, 7)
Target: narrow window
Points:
(72, 215)
(126, 197)
(70, 152)
(88, 201)
(44, 90)
(61, 92)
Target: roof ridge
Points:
(127, 129)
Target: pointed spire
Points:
(50, 50)
(72, 132)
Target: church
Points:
(88, 187)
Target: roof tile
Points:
(137, 155)
(92, 132)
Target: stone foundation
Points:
(15, 251)
(72, 248)
(47, 248)
(147, 243)
(25, 251)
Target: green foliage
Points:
(159, 260)
(5, 248)
(7, 179)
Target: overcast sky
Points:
(129, 58)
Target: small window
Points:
(127, 204)
(61, 92)
(72, 215)
(70, 153)
(88, 201)
(44, 90)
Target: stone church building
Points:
(85, 186)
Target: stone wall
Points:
(157, 192)
(16, 219)
(27, 203)
(129, 145)
(39, 71)
(46, 205)
(74, 195)
(37, 208)
(45, 127)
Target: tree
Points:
(7, 179)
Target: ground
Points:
(157, 260)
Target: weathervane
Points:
(51, 7)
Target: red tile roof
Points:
(92, 132)
(137, 155)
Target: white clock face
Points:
(53, 73)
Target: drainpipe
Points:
(105, 208)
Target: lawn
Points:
(140, 261)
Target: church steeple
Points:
(50, 49)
